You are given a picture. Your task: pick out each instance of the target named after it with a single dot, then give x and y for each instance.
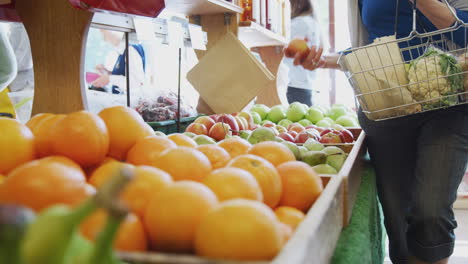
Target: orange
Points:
(106, 171)
(39, 184)
(63, 160)
(174, 214)
(182, 140)
(41, 131)
(2, 178)
(290, 216)
(235, 146)
(36, 119)
(16, 144)
(230, 183)
(137, 194)
(131, 235)
(125, 127)
(82, 137)
(274, 152)
(216, 154)
(266, 174)
(239, 230)
(301, 185)
(90, 170)
(147, 150)
(184, 163)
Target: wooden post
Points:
(216, 27)
(58, 34)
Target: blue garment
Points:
(119, 67)
(378, 17)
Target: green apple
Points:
(278, 139)
(261, 134)
(281, 129)
(337, 127)
(256, 117)
(245, 134)
(285, 123)
(159, 134)
(203, 140)
(346, 121)
(314, 145)
(322, 108)
(314, 114)
(276, 114)
(261, 109)
(336, 161)
(296, 112)
(305, 122)
(294, 149)
(324, 123)
(330, 120)
(190, 134)
(337, 112)
(324, 169)
(306, 107)
(303, 150)
(332, 150)
(314, 158)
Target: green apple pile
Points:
(300, 113)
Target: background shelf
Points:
(202, 7)
(255, 35)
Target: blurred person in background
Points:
(8, 70)
(112, 72)
(419, 159)
(303, 26)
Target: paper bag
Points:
(228, 77)
(380, 81)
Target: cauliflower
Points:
(434, 75)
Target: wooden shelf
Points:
(202, 7)
(254, 35)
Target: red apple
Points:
(269, 124)
(315, 132)
(244, 122)
(219, 131)
(346, 136)
(248, 117)
(214, 117)
(293, 133)
(296, 127)
(205, 120)
(286, 137)
(296, 46)
(319, 129)
(231, 121)
(240, 124)
(328, 130)
(304, 136)
(330, 138)
(197, 128)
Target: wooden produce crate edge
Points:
(298, 248)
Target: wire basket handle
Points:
(415, 32)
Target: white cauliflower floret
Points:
(428, 77)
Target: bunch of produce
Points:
(433, 75)
(185, 197)
(164, 107)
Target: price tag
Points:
(175, 34)
(196, 36)
(144, 29)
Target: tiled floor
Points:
(460, 255)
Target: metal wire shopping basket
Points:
(422, 72)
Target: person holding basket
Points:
(419, 159)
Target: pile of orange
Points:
(229, 200)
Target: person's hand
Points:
(312, 61)
(102, 81)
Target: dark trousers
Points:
(299, 95)
(420, 161)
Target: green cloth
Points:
(363, 240)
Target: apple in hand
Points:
(231, 121)
(219, 131)
(197, 128)
(330, 138)
(205, 120)
(346, 136)
(297, 46)
(286, 137)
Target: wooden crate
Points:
(313, 242)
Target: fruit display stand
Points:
(315, 238)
